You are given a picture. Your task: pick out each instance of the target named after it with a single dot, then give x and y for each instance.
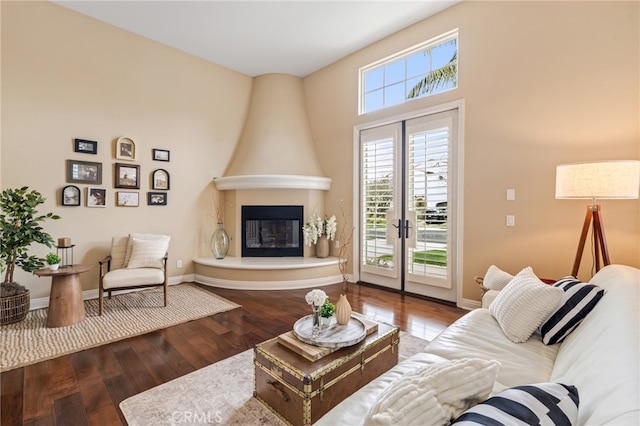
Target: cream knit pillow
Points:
(496, 278)
(524, 304)
(148, 253)
(436, 393)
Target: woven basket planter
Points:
(14, 308)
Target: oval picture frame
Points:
(160, 180)
(125, 149)
(70, 196)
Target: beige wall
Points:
(544, 83)
(67, 76)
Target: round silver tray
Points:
(331, 336)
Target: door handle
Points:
(398, 227)
(407, 226)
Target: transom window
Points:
(428, 68)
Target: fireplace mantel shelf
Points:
(267, 263)
(272, 182)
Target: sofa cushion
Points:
(119, 278)
(577, 301)
(438, 392)
(496, 279)
(536, 404)
(600, 357)
(478, 335)
(148, 253)
(524, 304)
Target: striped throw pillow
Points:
(536, 404)
(578, 300)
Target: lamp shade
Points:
(602, 179)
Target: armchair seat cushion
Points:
(120, 278)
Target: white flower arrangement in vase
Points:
(316, 227)
(316, 297)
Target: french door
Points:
(408, 210)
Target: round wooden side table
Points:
(66, 306)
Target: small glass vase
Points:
(315, 331)
(220, 242)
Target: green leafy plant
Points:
(52, 259)
(328, 309)
(19, 228)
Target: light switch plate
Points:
(511, 194)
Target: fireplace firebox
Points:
(272, 231)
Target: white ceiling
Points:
(260, 37)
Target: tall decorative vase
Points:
(220, 242)
(322, 247)
(343, 310)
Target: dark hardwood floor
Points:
(87, 387)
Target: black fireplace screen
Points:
(272, 231)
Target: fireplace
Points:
(272, 231)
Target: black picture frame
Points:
(161, 155)
(127, 176)
(157, 198)
(85, 146)
(160, 180)
(87, 172)
(70, 196)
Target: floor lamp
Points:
(597, 180)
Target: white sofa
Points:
(601, 357)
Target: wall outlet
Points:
(179, 263)
(511, 220)
(336, 244)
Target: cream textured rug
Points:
(125, 315)
(221, 393)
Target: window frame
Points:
(402, 55)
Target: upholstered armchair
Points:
(135, 261)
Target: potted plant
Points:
(326, 312)
(53, 260)
(19, 229)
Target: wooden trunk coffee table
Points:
(300, 391)
(66, 306)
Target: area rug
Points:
(221, 393)
(125, 315)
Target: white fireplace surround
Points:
(272, 182)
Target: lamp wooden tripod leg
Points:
(599, 240)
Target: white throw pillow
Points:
(148, 253)
(437, 393)
(152, 237)
(524, 304)
(496, 278)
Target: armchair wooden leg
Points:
(100, 302)
(165, 294)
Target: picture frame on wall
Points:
(125, 149)
(70, 196)
(128, 199)
(160, 180)
(87, 172)
(160, 155)
(96, 197)
(127, 176)
(85, 146)
(157, 198)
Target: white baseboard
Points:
(469, 304)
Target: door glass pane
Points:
(377, 198)
(427, 195)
